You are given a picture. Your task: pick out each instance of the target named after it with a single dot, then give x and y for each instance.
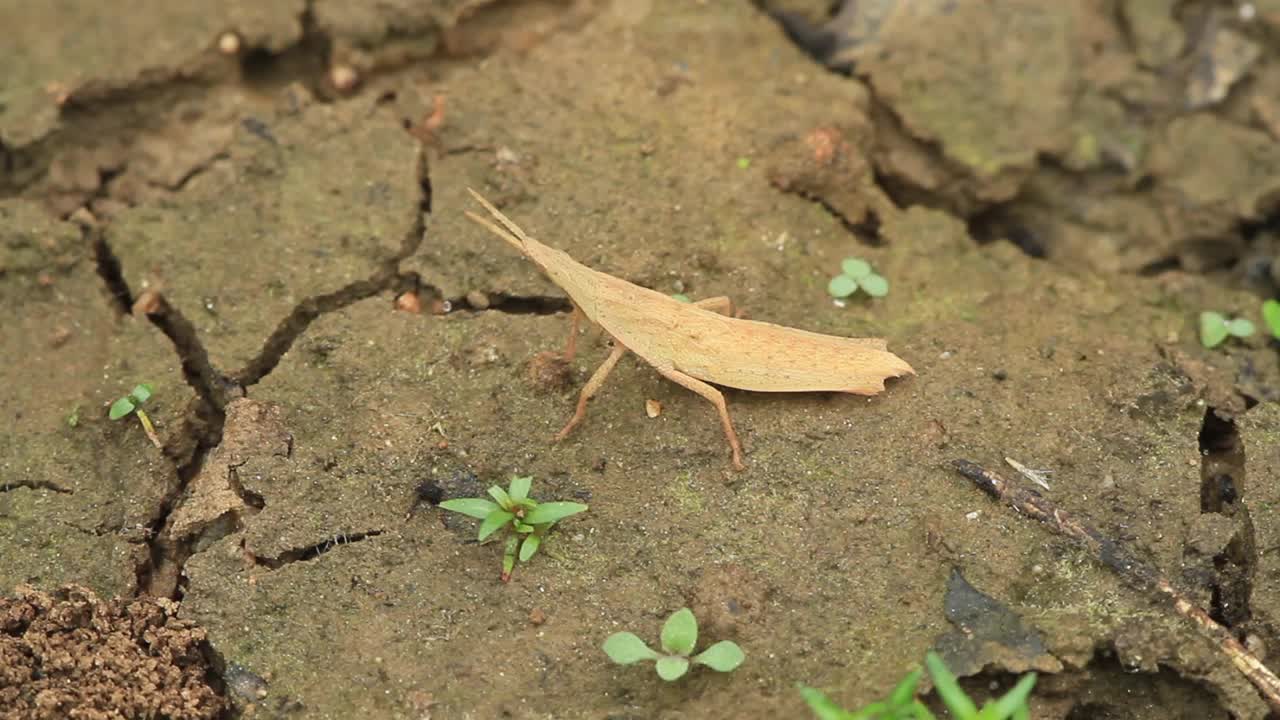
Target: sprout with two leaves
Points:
(527, 519)
(1215, 328)
(131, 404)
(679, 636)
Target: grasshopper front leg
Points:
(592, 386)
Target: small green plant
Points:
(1271, 316)
(903, 705)
(527, 520)
(73, 417)
(681, 297)
(856, 274)
(131, 404)
(679, 636)
(1215, 328)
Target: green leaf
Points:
(823, 706)
(681, 297)
(1016, 698)
(874, 285)
(523, 528)
(905, 691)
(680, 632)
(948, 689)
(529, 547)
(744, 162)
(1240, 327)
(509, 557)
(625, 648)
(1213, 329)
(842, 286)
(141, 393)
(519, 489)
(501, 496)
(724, 656)
(120, 408)
(672, 667)
(1271, 316)
(493, 522)
(478, 508)
(552, 512)
(855, 268)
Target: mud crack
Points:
(388, 277)
(1222, 487)
(311, 552)
(109, 269)
(197, 369)
(512, 304)
(205, 420)
(35, 485)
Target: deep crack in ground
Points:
(313, 551)
(203, 422)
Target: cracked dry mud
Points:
(300, 411)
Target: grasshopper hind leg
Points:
(715, 397)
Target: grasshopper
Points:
(695, 344)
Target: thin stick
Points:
(1111, 554)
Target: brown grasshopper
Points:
(693, 344)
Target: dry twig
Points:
(1111, 554)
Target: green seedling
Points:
(73, 417)
(902, 703)
(131, 404)
(1271, 316)
(526, 519)
(1215, 328)
(681, 297)
(679, 636)
(856, 274)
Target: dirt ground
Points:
(257, 208)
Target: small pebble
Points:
(229, 43)
(477, 300)
(1256, 645)
(652, 408)
(344, 77)
(1000, 375)
(537, 617)
(409, 302)
(973, 515)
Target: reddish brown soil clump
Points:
(70, 655)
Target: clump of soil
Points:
(69, 654)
